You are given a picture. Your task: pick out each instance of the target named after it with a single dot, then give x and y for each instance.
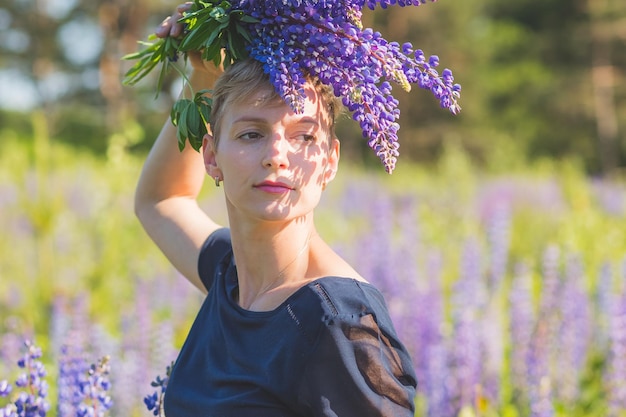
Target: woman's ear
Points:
(209, 151)
(333, 161)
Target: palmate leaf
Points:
(178, 118)
(191, 119)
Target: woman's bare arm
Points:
(165, 198)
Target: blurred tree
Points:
(65, 56)
(608, 27)
(526, 72)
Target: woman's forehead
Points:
(268, 97)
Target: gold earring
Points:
(217, 181)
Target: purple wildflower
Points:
(522, 318)
(537, 364)
(72, 368)
(326, 40)
(375, 259)
(603, 296)
(617, 355)
(94, 388)
(31, 400)
(154, 401)
(431, 355)
(438, 395)
(5, 388)
(468, 298)
(499, 231)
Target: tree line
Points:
(540, 79)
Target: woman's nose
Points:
(277, 151)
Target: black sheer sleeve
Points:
(359, 370)
(216, 246)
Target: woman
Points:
(288, 328)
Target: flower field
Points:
(507, 288)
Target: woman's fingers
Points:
(164, 28)
(170, 25)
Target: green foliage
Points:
(214, 31)
(191, 118)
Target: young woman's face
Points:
(274, 163)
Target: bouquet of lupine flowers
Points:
(296, 39)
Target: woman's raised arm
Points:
(165, 198)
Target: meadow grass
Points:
(76, 267)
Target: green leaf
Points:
(193, 120)
(205, 111)
(195, 38)
(204, 105)
(149, 59)
(212, 53)
(212, 29)
(138, 71)
(243, 32)
(247, 19)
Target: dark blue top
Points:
(330, 349)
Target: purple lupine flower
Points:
(538, 361)
(94, 388)
(550, 279)
(468, 298)
(327, 40)
(154, 401)
(406, 280)
(436, 386)
(603, 294)
(498, 232)
(31, 401)
(574, 332)
(522, 319)
(72, 368)
(432, 355)
(376, 259)
(428, 319)
(538, 366)
(616, 374)
(5, 388)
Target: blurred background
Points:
(499, 241)
(540, 79)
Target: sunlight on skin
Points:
(276, 158)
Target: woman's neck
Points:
(272, 260)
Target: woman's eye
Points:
(250, 136)
(307, 137)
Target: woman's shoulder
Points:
(348, 296)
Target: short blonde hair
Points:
(246, 78)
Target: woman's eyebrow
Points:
(249, 119)
(258, 120)
(309, 120)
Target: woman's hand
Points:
(171, 27)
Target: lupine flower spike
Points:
(299, 38)
(31, 400)
(154, 401)
(94, 389)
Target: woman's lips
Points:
(274, 187)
